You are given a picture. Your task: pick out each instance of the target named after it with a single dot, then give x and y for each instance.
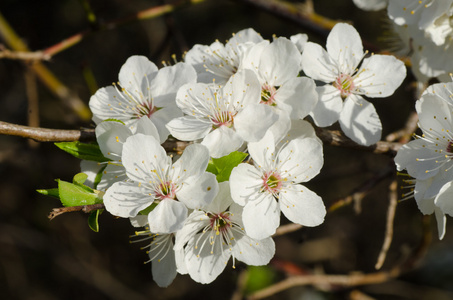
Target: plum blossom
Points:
(277, 66)
(214, 234)
(142, 91)
(154, 179)
(428, 158)
(273, 185)
(110, 136)
(223, 116)
(348, 77)
(218, 61)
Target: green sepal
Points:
(83, 150)
(114, 120)
(222, 167)
(50, 192)
(147, 210)
(93, 221)
(98, 177)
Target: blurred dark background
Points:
(64, 259)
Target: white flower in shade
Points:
(211, 236)
(430, 155)
(143, 91)
(427, 206)
(223, 116)
(371, 5)
(174, 187)
(277, 66)
(217, 61)
(110, 136)
(166, 262)
(349, 77)
(299, 40)
(273, 185)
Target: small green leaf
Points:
(50, 192)
(83, 150)
(258, 278)
(79, 178)
(224, 165)
(93, 220)
(75, 195)
(147, 210)
(212, 168)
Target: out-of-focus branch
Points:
(353, 279)
(23, 55)
(405, 133)
(153, 12)
(48, 78)
(85, 208)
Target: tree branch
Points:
(85, 208)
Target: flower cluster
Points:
(428, 158)
(425, 30)
(246, 95)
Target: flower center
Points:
(450, 147)
(166, 190)
(272, 182)
(220, 222)
(345, 84)
(268, 93)
(222, 118)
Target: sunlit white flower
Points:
(349, 76)
(273, 184)
(142, 91)
(277, 66)
(371, 5)
(223, 116)
(110, 136)
(214, 234)
(217, 61)
(174, 187)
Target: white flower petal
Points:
(169, 79)
(245, 183)
(329, 105)
(134, 74)
(164, 271)
(345, 45)
(198, 191)
(318, 64)
(193, 162)
(302, 206)
(380, 75)
(111, 174)
(301, 159)
(253, 121)
(161, 118)
(261, 217)
(360, 121)
(253, 252)
(195, 222)
(126, 199)
(110, 136)
(441, 222)
(204, 263)
(222, 141)
(222, 201)
(147, 127)
(167, 217)
(444, 200)
(188, 128)
(139, 220)
(105, 105)
(141, 155)
(300, 94)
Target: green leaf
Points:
(258, 278)
(93, 220)
(222, 167)
(79, 179)
(50, 192)
(75, 195)
(83, 150)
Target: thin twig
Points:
(284, 229)
(393, 198)
(353, 279)
(405, 133)
(85, 208)
(332, 137)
